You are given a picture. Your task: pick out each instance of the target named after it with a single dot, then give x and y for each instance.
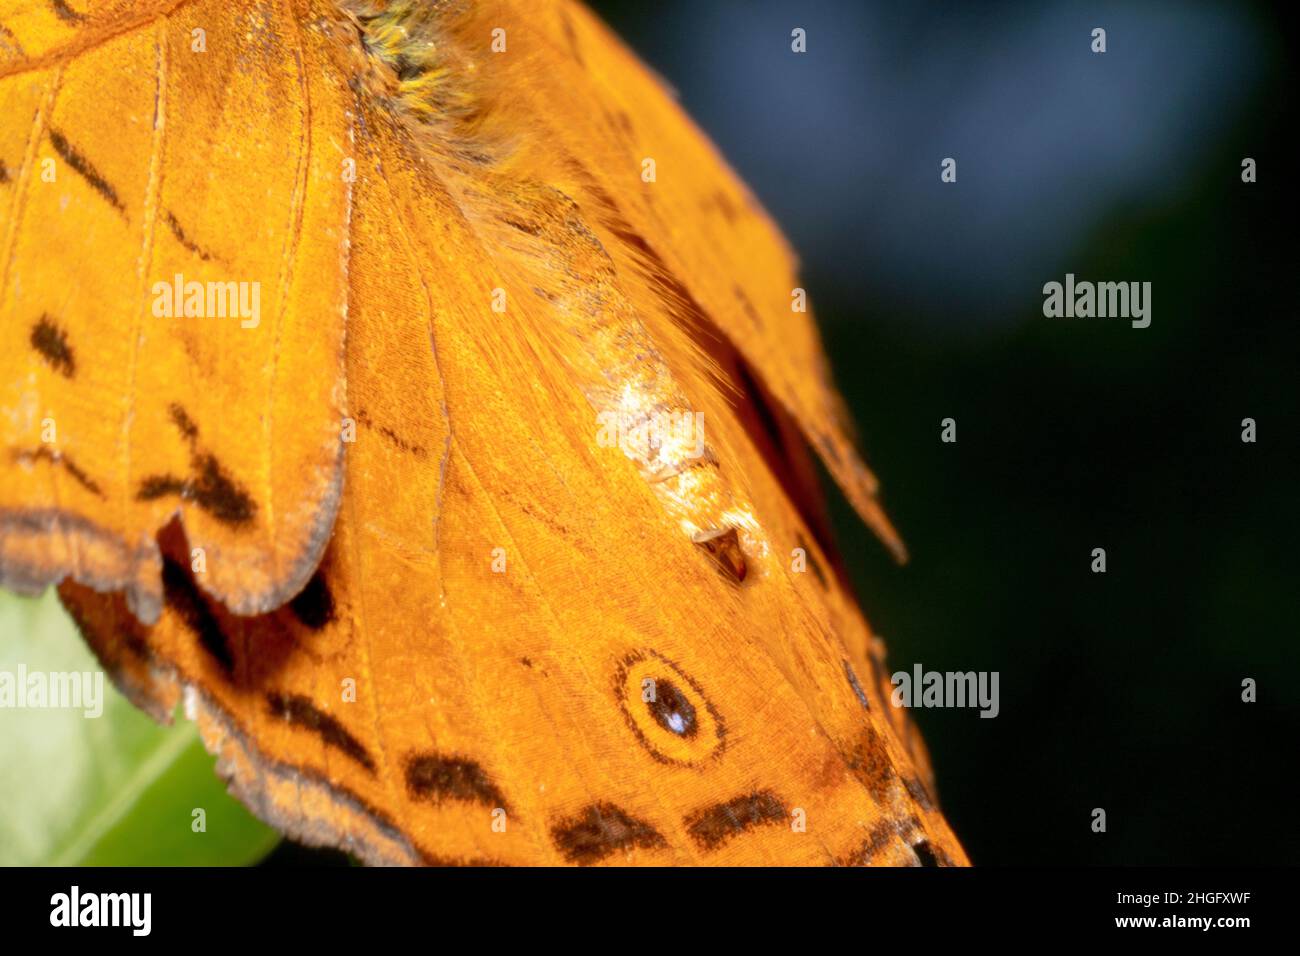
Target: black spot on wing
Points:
(181, 419)
(183, 238)
(59, 458)
(4, 173)
(301, 712)
(363, 418)
(528, 228)
(748, 306)
(209, 486)
(52, 343)
(713, 826)
(678, 300)
(857, 688)
(436, 777)
(600, 830)
(918, 792)
(314, 605)
(82, 167)
(66, 13)
(870, 763)
(183, 596)
(878, 837)
(930, 855)
(571, 37)
(7, 39)
(672, 710)
(725, 206)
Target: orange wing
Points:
(525, 643)
(133, 160)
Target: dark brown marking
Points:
(870, 763)
(182, 238)
(298, 710)
(748, 306)
(52, 342)
(209, 487)
(434, 776)
(314, 605)
(4, 172)
(335, 791)
(600, 830)
(525, 661)
(713, 826)
(620, 692)
(571, 37)
(671, 706)
(723, 546)
(183, 597)
(184, 423)
(679, 301)
(10, 40)
(89, 173)
(878, 837)
(66, 13)
(857, 688)
(725, 206)
(918, 791)
(363, 418)
(930, 855)
(62, 460)
(529, 228)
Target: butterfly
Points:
(410, 392)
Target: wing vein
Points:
(152, 201)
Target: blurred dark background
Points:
(1121, 690)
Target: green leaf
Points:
(109, 790)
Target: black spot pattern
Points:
(713, 826)
(298, 710)
(671, 709)
(52, 343)
(433, 776)
(314, 605)
(80, 165)
(209, 487)
(930, 855)
(183, 597)
(63, 461)
(857, 688)
(600, 830)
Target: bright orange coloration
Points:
(508, 641)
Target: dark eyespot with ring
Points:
(671, 710)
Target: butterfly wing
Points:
(526, 644)
(152, 188)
